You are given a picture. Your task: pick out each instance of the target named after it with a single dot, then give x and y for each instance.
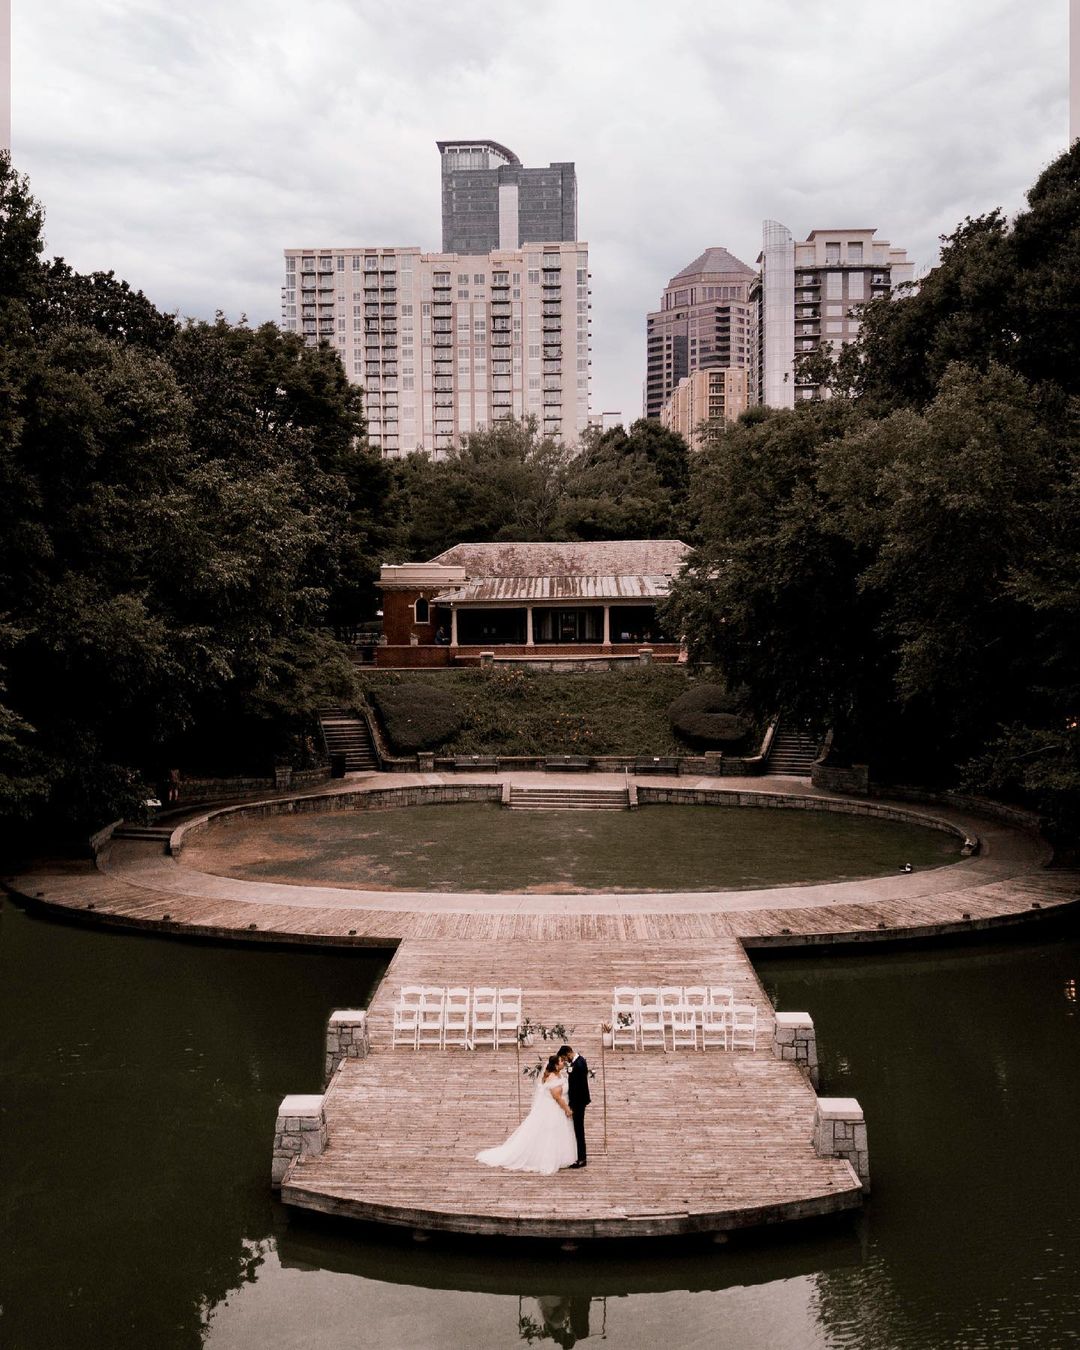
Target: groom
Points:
(578, 1095)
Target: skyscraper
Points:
(804, 299)
(446, 344)
(491, 201)
(704, 321)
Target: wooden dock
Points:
(696, 1141)
(702, 1141)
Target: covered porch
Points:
(605, 625)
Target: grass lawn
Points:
(515, 711)
(482, 847)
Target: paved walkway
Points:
(137, 885)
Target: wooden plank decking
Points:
(695, 1141)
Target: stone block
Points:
(840, 1132)
(839, 1108)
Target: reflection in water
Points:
(140, 1079)
(562, 1318)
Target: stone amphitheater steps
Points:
(128, 831)
(568, 799)
(792, 754)
(348, 735)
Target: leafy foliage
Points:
(708, 716)
(182, 509)
(415, 717)
(535, 712)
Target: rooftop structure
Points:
(490, 200)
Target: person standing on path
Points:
(578, 1096)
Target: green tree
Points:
(181, 509)
(502, 483)
(628, 485)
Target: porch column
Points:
(528, 626)
(453, 626)
(607, 625)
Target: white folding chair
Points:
(744, 1027)
(671, 996)
(483, 1016)
(406, 1024)
(683, 1022)
(695, 996)
(456, 1018)
(624, 1024)
(507, 1017)
(720, 996)
(430, 1027)
(651, 1030)
(714, 1026)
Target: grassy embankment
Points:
(521, 712)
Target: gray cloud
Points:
(185, 148)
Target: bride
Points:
(544, 1141)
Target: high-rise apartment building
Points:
(445, 344)
(491, 201)
(804, 298)
(705, 320)
(716, 394)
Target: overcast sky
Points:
(185, 144)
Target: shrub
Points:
(416, 717)
(707, 716)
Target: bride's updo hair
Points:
(552, 1065)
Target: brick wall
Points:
(398, 623)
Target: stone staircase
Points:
(568, 799)
(158, 834)
(792, 753)
(348, 735)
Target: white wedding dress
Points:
(544, 1141)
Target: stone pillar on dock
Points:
(299, 1132)
(425, 761)
(840, 1132)
(795, 1039)
(487, 659)
(346, 1038)
(645, 655)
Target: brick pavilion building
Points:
(530, 602)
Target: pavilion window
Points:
(568, 625)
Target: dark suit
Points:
(578, 1098)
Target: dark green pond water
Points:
(480, 847)
(141, 1076)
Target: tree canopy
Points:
(898, 562)
(185, 511)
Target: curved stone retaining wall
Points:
(788, 801)
(364, 799)
(368, 799)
